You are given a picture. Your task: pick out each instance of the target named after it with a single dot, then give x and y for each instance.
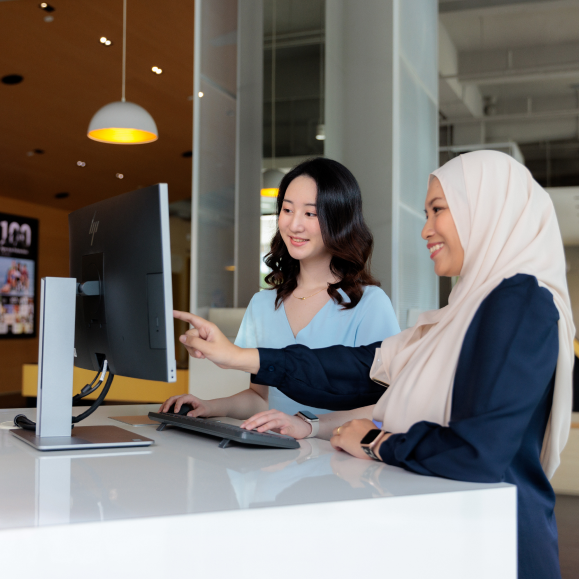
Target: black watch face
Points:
(309, 415)
(372, 434)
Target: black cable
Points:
(25, 423)
(88, 388)
(97, 402)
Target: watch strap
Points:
(315, 424)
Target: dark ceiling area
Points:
(68, 75)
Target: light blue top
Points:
(372, 320)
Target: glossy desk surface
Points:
(184, 473)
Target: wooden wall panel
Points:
(52, 261)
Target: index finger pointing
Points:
(187, 317)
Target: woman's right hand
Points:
(205, 340)
(200, 407)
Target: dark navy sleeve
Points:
(505, 372)
(336, 378)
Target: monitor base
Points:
(84, 437)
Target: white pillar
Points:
(249, 149)
(382, 123)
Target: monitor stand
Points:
(55, 377)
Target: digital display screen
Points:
(18, 265)
(370, 436)
(309, 415)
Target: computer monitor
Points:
(123, 243)
(116, 307)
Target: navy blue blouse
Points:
(502, 397)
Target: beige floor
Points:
(567, 513)
(566, 479)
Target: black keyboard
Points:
(227, 432)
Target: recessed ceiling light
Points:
(119, 176)
(12, 79)
(46, 7)
(200, 94)
(81, 163)
(157, 70)
(61, 195)
(104, 40)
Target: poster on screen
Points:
(18, 264)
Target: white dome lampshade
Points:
(123, 123)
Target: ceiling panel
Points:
(68, 75)
(522, 24)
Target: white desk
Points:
(183, 507)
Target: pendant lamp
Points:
(122, 122)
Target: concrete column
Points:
(249, 150)
(382, 122)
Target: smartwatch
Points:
(371, 442)
(312, 420)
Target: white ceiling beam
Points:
(455, 98)
(534, 74)
(488, 7)
(515, 65)
(525, 117)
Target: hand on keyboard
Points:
(278, 422)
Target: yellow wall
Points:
(52, 261)
(122, 390)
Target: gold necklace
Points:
(306, 297)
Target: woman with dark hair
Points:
(321, 290)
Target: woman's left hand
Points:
(348, 437)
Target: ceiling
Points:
(68, 75)
(487, 25)
(512, 75)
(509, 71)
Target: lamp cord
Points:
(273, 55)
(124, 47)
(322, 68)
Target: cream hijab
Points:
(507, 225)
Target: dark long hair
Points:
(344, 232)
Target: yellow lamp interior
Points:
(122, 136)
(269, 192)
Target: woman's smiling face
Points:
(441, 234)
(298, 220)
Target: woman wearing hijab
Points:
(477, 391)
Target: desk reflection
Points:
(185, 473)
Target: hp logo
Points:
(94, 225)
